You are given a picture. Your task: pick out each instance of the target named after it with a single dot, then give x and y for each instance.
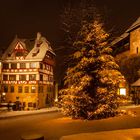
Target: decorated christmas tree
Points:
(92, 80)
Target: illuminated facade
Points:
(27, 73)
(128, 45)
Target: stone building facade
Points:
(128, 46)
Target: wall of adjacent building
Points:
(135, 41)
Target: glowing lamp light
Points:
(3, 93)
(56, 100)
(123, 91)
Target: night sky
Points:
(26, 17)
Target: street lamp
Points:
(3, 97)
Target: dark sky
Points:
(26, 17)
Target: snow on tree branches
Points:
(93, 78)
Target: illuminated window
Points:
(5, 77)
(33, 89)
(22, 77)
(13, 65)
(123, 91)
(22, 65)
(12, 77)
(5, 66)
(12, 89)
(26, 89)
(5, 88)
(19, 89)
(33, 65)
(32, 77)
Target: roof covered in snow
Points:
(40, 48)
(120, 38)
(34, 49)
(12, 46)
(135, 25)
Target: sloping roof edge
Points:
(118, 39)
(136, 84)
(135, 25)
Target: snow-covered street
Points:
(55, 126)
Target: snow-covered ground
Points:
(128, 134)
(132, 111)
(8, 114)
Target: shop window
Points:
(24, 104)
(30, 104)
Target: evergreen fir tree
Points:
(92, 80)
